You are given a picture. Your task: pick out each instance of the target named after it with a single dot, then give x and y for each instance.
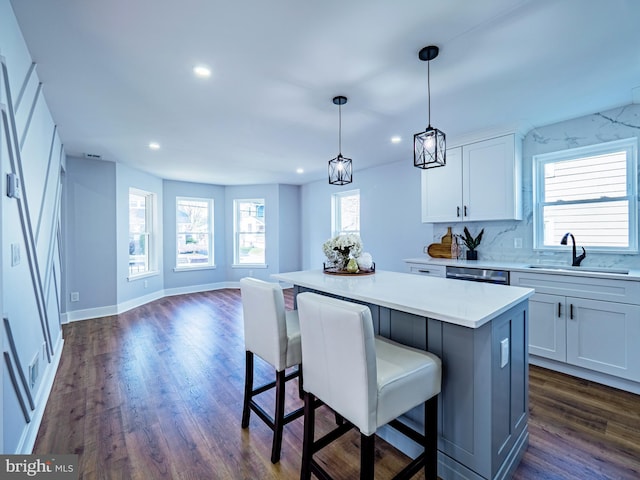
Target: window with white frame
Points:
(141, 238)
(590, 192)
(249, 232)
(194, 232)
(345, 212)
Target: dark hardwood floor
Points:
(156, 393)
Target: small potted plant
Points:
(471, 243)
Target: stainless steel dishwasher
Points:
(473, 274)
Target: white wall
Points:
(30, 300)
(390, 215)
(282, 225)
(187, 279)
(90, 242)
(141, 288)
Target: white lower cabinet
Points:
(604, 336)
(593, 333)
(427, 269)
(548, 326)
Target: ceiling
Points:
(118, 74)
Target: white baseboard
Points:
(30, 433)
(89, 313)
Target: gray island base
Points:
(480, 332)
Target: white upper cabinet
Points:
(481, 181)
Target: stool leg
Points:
(431, 439)
(300, 383)
(307, 441)
(248, 387)
(279, 417)
(367, 455)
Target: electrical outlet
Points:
(517, 242)
(75, 296)
(146, 284)
(504, 352)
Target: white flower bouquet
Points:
(340, 248)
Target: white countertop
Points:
(469, 304)
(583, 271)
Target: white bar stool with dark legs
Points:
(272, 333)
(368, 380)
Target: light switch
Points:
(14, 190)
(15, 254)
(504, 352)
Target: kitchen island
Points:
(480, 332)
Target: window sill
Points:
(133, 278)
(191, 269)
(249, 265)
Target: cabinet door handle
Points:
(424, 271)
(559, 309)
(571, 311)
(465, 210)
(457, 211)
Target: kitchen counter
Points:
(467, 304)
(479, 331)
(554, 269)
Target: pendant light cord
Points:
(339, 129)
(429, 88)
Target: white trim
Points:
(198, 288)
(30, 432)
(191, 269)
(138, 276)
(249, 265)
(630, 147)
(90, 313)
(77, 315)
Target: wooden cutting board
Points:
(439, 250)
(442, 249)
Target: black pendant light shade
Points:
(340, 168)
(430, 146)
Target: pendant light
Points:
(429, 147)
(340, 169)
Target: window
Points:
(194, 232)
(345, 216)
(590, 192)
(141, 247)
(249, 232)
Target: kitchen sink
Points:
(569, 268)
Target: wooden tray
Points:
(338, 271)
(439, 250)
(345, 273)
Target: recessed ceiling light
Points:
(299, 170)
(154, 145)
(396, 139)
(202, 71)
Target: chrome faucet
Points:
(576, 259)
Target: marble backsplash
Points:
(498, 243)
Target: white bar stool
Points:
(272, 333)
(368, 380)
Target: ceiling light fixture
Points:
(340, 169)
(396, 139)
(154, 145)
(429, 147)
(202, 71)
